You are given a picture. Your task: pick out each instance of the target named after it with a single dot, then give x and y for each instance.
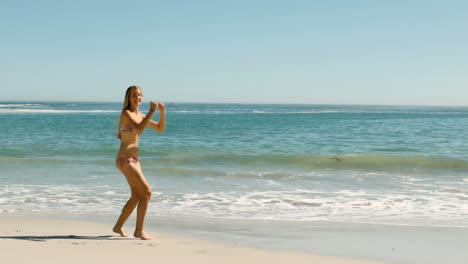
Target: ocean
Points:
(392, 165)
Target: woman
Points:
(131, 125)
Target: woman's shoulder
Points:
(125, 116)
(127, 113)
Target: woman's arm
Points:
(140, 126)
(161, 125)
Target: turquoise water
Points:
(356, 164)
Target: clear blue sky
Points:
(317, 52)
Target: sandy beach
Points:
(42, 240)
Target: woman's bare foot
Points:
(119, 231)
(141, 235)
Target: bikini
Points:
(128, 160)
(128, 129)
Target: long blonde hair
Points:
(126, 104)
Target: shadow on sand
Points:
(45, 238)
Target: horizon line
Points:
(234, 103)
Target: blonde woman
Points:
(131, 125)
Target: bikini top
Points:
(128, 128)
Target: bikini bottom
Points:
(128, 160)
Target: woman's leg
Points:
(145, 196)
(126, 212)
(141, 193)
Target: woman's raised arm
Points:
(161, 125)
(140, 126)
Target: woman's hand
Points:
(153, 106)
(161, 107)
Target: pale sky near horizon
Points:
(312, 52)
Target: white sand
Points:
(39, 240)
